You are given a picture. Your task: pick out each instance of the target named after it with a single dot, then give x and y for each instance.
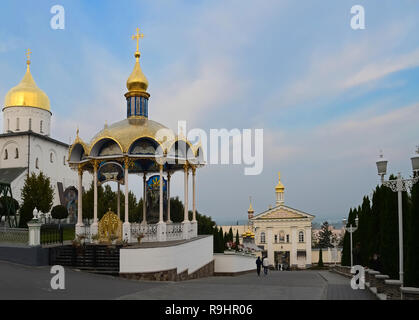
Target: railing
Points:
(56, 233)
(149, 231)
(14, 235)
(174, 231)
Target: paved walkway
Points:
(23, 282)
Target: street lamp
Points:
(399, 185)
(351, 229)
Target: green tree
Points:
(37, 192)
(237, 240)
(59, 212)
(216, 240)
(412, 244)
(325, 235)
(221, 240)
(230, 235)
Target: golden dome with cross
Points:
(27, 93)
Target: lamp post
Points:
(351, 229)
(399, 185)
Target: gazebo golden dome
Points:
(27, 93)
(127, 131)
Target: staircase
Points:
(93, 258)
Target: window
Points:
(17, 124)
(64, 160)
(30, 124)
(40, 125)
(301, 236)
(276, 238)
(262, 237)
(6, 155)
(51, 157)
(8, 124)
(17, 154)
(37, 163)
(288, 238)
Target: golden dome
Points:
(125, 132)
(279, 187)
(27, 94)
(137, 80)
(248, 234)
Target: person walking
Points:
(258, 265)
(265, 266)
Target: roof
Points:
(34, 134)
(8, 175)
(282, 212)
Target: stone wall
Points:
(383, 287)
(172, 275)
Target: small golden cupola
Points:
(279, 191)
(250, 211)
(27, 93)
(137, 84)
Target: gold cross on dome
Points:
(28, 54)
(138, 36)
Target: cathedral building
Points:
(26, 144)
(282, 232)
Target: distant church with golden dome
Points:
(26, 145)
(281, 232)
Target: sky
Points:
(328, 97)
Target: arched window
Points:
(8, 124)
(37, 163)
(64, 160)
(276, 238)
(288, 238)
(30, 124)
(262, 237)
(51, 157)
(40, 126)
(6, 155)
(17, 124)
(301, 236)
(17, 154)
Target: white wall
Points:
(189, 256)
(232, 263)
(36, 115)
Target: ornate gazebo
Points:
(139, 146)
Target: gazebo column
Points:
(118, 199)
(126, 229)
(194, 221)
(186, 224)
(161, 225)
(94, 226)
(80, 225)
(168, 198)
(144, 199)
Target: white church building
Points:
(26, 145)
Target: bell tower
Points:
(279, 191)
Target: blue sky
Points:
(328, 97)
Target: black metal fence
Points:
(56, 233)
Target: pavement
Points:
(25, 282)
